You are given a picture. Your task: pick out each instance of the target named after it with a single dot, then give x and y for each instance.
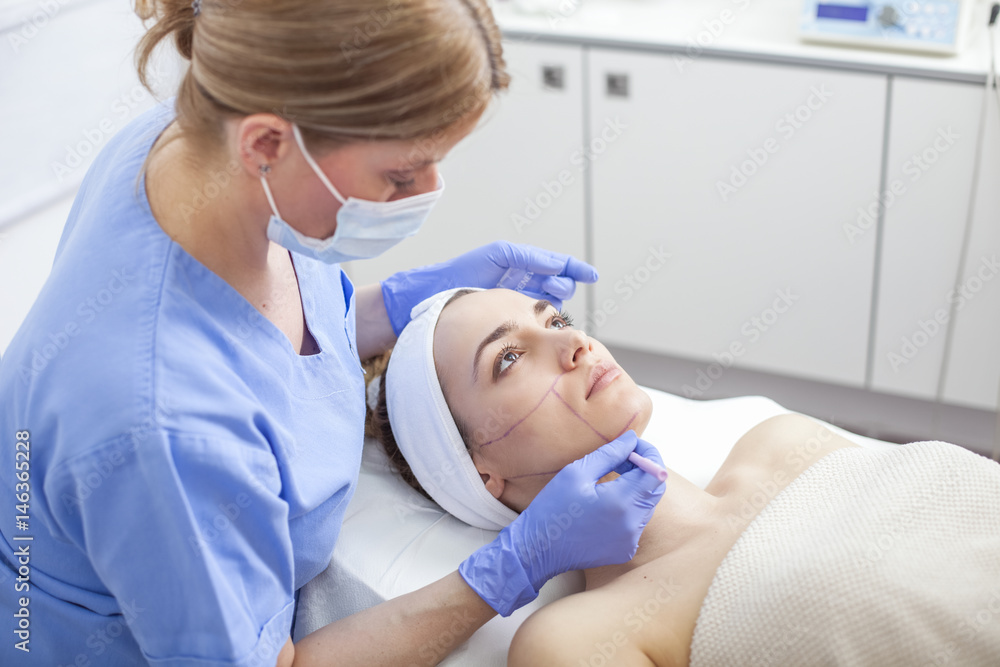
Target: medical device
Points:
(929, 26)
(646, 465)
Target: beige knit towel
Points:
(869, 557)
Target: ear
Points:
(263, 138)
(494, 484)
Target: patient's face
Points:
(528, 399)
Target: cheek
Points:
(358, 183)
(487, 431)
(496, 420)
(529, 435)
(371, 189)
(558, 434)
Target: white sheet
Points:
(395, 541)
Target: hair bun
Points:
(173, 17)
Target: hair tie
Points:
(196, 6)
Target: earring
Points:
(264, 169)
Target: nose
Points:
(426, 180)
(573, 346)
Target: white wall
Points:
(26, 252)
(67, 84)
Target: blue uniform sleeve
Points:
(190, 535)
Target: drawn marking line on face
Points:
(534, 474)
(553, 472)
(530, 412)
(578, 415)
(627, 424)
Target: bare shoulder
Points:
(793, 432)
(782, 445)
(571, 630)
(542, 637)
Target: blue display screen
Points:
(846, 12)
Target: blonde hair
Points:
(343, 70)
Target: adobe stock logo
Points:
(915, 167)
(45, 11)
(926, 330)
(752, 329)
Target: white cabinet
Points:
(933, 133)
(518, 176)
(745, 174)
(973, 373)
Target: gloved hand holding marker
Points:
(509, 572)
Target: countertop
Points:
(761, 30)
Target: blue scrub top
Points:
(187, 470)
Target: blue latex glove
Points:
(541, 274)
(574, 523)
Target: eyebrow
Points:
(541, 306)
(504, 329)
(501, 331)
(416, 165)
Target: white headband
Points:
(425, 430)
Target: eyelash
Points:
(566, 321)
(403, 185)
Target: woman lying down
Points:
(858, 557)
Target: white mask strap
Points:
(315, 167)
(264, 169)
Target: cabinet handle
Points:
(553, 77)
(617, 85)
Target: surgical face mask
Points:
(365, 229)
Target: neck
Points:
(209, 207)
(684, 512)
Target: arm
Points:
(375, 334)
(421, 627)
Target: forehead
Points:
(421, 151)
(467, 319)
(493, 306)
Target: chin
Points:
(645, 412)
(635, 402)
